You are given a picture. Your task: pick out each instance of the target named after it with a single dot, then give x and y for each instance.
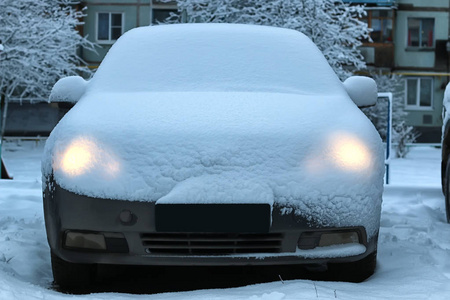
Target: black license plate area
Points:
(229, 218)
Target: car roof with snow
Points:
(215, 57)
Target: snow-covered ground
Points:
(413, 254)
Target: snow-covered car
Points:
(211, 145)
(445, 162)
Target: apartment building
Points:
(421, 55)
(411, 38)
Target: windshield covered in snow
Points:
(215, 57)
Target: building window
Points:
(381, 22)
(160, 15)
(419, 93)
(421, 32)
(109, 26)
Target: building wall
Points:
(425, 3)
(416, 117)
(412, 62)
(33, 118)
(409, 57)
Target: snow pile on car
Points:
(447, 96)
(446, 103)
(255, 122)
(362, 90)
(68, 89)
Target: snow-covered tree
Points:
(40, 42)
(402, 134)
(331, 24)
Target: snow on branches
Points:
(332, 25)
(402, 134)
(40, 42)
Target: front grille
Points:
(211, 243)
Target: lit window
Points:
(381, 23)
(420, 32)
(419, 92)
(109, 26)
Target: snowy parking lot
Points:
(413, 252)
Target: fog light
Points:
(338, 238)
(126, 217)
(94, 241)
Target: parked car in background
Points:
(445, 164)
(212, 145)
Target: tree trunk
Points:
(3, 113)
(3, 109)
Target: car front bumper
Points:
(131, 237)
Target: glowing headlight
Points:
(78, 157)
(350, 153)
(83, 155)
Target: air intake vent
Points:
(211, 244)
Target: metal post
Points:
(388, 96)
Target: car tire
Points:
(447, 190)
(357, 271)
(72, 277)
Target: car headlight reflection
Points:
(84, 155)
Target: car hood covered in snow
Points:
(222, 148)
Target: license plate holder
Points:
(229, 218)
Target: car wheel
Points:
(447, 191)
(72, 277)
(357, 271)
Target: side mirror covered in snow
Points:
(68, 89)
(362, 90)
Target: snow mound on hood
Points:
(219, 189)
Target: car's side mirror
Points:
(68, 89)
(362, 90)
